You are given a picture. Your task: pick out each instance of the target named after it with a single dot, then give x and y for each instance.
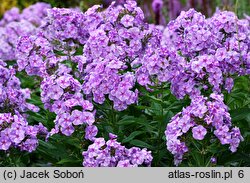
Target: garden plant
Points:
(107, 88)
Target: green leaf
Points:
(213, 148)
(127, 120)
(69, 161)
(140, 143)
(240, 114)
(198, 158)
(132, 136)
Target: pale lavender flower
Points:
(199, 132)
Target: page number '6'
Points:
(240, 173)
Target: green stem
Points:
(113, 120)
(197, 147)
(160, 128)
(236, 7)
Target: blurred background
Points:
(170, 8)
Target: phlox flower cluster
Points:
(15, 24)
(204, 115)
(61, 88)
(120, 38)
(61, 94)
(14, 128)
(39, 54)
(210, 52)
(205, 56)
(12, 96)
(62, 34)
(17, 133)
(112, 154)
